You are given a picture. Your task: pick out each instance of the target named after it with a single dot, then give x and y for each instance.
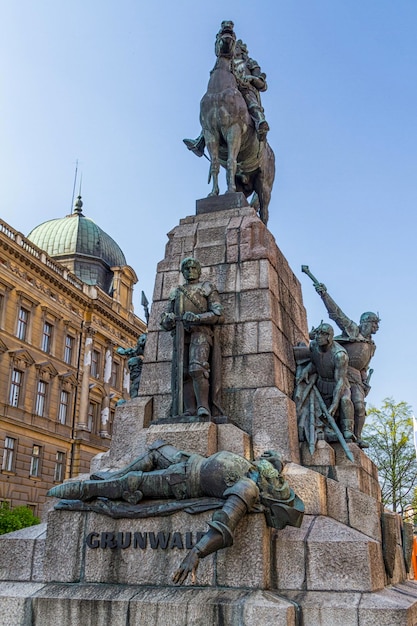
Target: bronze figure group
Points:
(332, 377)
(338, 369)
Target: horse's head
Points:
(225, 40)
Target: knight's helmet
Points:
(282, 506)
(369, 316)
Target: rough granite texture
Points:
(21, 554)
(15, 603)
(92, 605)
(136, 565)
(129, 436)
(310, 486)
(342, 559)
(323, 454)
(143, 566)
(200, 437)
(64, 546)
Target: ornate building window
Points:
(92, 416)
(111, 421)
(95, 363)
(41, 398)
(16, 387)
(10, 448)
(64, 404)
(69, 349)
(67, 385)
(59, 467)
(22, 324)
(35, 461)
(47, 337)
(115, 374)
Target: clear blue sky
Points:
(117, 85)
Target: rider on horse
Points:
(250, 82)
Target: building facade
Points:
(60, 374)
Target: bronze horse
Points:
(230, 134)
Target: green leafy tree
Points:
(414, 505)
(389, 432)
(15, 519)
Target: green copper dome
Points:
(81, 245)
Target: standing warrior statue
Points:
(134, 363)
(324, 383)
(193, 311)
(358, 342)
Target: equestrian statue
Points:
(234, 127)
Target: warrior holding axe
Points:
(358, 342)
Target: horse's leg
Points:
(264, 213)
(263, 182)
(263, 189)
(234, 140)
(212, 143)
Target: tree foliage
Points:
(15, 519)
(389, 432)
(414, 505)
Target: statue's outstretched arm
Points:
(222, 526)
(336, 314)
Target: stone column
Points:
(82, 423)
(105, 411)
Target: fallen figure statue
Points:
(223, 481)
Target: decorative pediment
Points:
(50, 315)
(21, 358)
(68, 381)
(97, 390)
(27, 300)
(5, 285)
(46, 370)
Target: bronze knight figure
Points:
(193, 312)
(234, 486)
(233, 123)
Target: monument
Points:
(206, 466)
(134, 363)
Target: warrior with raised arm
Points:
(358, 342)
